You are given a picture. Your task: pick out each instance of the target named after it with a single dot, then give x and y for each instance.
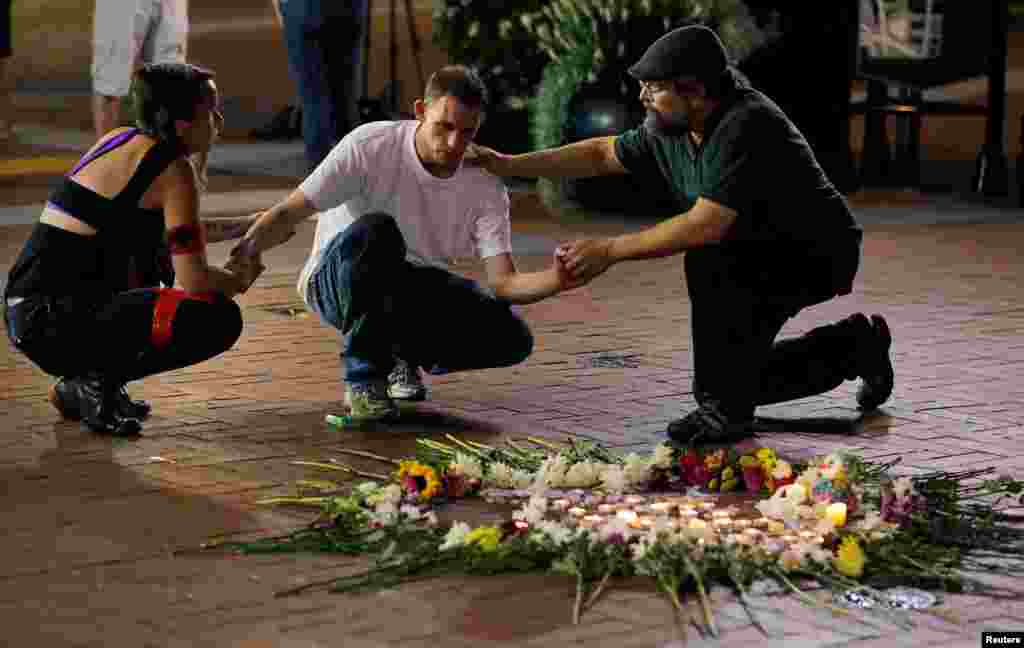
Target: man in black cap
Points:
(765, 232)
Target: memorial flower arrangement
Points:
(689, 520)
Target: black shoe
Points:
(99, 411)
(63, 395)
(877, 376)
(285, 125)
(137, 409)
(707, 424)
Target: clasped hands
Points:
(578, 262)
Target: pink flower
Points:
(753, 477)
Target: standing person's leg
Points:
(6, 85)
(342, 39)
(303, 31)
(361, 278)
(120, 30)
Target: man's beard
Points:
(670, 124)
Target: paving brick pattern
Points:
(99, 531)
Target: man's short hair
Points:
(460, 82)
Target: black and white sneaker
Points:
(405, 383)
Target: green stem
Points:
(745, 601)
(597, 590)
(705, 603)
(368, 455)
(576, 608)
(803, 596)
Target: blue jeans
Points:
(387, 307)
(324, 39)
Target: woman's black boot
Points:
(137, 409)
(99, 408)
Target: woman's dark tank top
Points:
(56, 262)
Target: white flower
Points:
(500, 475)
(468, 466)
(559, 534)
(366, 489)
(551, 473)
(431, 518)
(782, 470)
(583, 475)
(637, 468)
(456, 536)
(662, 456)
(871, 521)
(613, 479)
(533, 511)
(615, 526)
(390, 494)
(521, 478)
(412, 512)
(831, 466)
(902, 487)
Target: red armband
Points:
(186, 239)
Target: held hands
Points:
(246, 268)
(483, 157)
(583, 260)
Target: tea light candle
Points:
(836, 514)
(662, 508)
(642, 523)
(633, 500)
(576, 511)
(753, 534)
(697, 523)
(789, 538)
(628, 516)
(776, 528)
(762, 522)
(807, 536)
(643, 508)
(706, 506)
(720, 513)
(591, 521)
(722, 522)
(607, 509)
(742, 524)
(561, 504)
(688, 513)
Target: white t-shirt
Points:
(375, 169)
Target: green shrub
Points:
(595, 41)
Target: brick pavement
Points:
(93, 524)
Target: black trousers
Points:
(741, 295)
(125, 337)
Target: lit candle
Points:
(696, 523)
(633, 500)
(706, 506)
(807, 536)
(628, 516)
(642, 523)
(722, 522)
(642, 508)
(836, 514)
(561, 504)
(742, 524)
(789, 538)
(688, 513)
(576, 511)
(662, 508)
(776, 528)
(607, 509)
(762, 522)
(720, 514)
(753, 534)
(591, 521)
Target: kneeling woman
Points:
(83, 300)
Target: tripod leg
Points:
(414, 40)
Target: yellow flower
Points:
(767, 458)
(850, 558)
(730, 485)
(728, 474)
(713, 484)
(486, 537)
(413, 469)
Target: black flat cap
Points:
(693, 50)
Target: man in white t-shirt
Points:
(396, 205)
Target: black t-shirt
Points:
(753, 160)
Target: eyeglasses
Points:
(653, 88)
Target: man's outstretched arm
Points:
(526, 287)
(590, 157)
